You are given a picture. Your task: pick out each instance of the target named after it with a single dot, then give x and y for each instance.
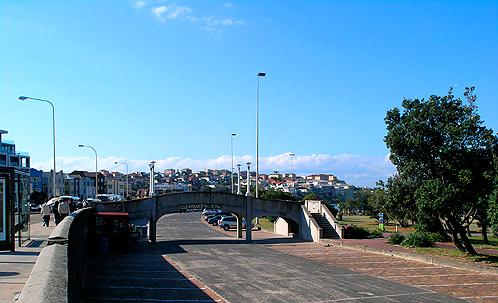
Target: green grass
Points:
(266, 224)
(477, 242)
(371, 224)
(458, 255)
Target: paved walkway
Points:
(464, 284)
(380, 243)
(260, 272)
(15, 267)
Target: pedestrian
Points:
(63, 209)
(57, 215)
(45, 212)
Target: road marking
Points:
(379, 296)
(397, 268)
(462, 284)
(434, 275)
(480, 297)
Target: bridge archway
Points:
(151, 209)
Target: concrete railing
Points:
(59, 272)
(308, 222)
(327, 214)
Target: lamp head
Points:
(261, 74)
(116, 162)
(22, 98)
(234, 134)
(81, 145)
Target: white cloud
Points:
(354, 169)
(212, 24)
(159, 11)
(172, 12)
(182, 12)
(139, 4)
(217, 25)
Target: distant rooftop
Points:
(2, 132)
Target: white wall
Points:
(281, 227)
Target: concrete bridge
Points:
(149, 210)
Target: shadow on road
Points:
(174, 246)
(142, 274)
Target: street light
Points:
(291, 155)
(24, 98)
(96, 170)
(124, 163)
(248, 191)
(151, 181)
(238, 180)
(257, 134)
(231, 146)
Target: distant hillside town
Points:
(81, 183)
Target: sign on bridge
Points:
(198, 207)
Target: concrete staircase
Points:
(328, 230)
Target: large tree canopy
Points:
(441, 148)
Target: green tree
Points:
(493, 199)
(277, 195)
(442, 146)
(311, 196)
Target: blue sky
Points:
(171, 80)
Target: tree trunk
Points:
(466, 243)
(456, 242)
(484, 232)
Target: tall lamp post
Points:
(231, 149)
(257, 134)
(291, 155)
(238, 180)
(151, 186)
(24, 98)
(248, 190)
(124, 163)
(96, 170)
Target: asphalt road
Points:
(242, 272)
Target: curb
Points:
(415, 257)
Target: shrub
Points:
(355, 232)
(396, 239)
(377, 233)
(419, 239)
(438, 237)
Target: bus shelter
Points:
(14, 207)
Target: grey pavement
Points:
(242, 272)
(15, 267)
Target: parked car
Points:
(35, 208)
(214, 220)
(230, 222)
(220, 213)
(207, 212)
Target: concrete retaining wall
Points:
(281, 227)
(309, 229)
(59, 272)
